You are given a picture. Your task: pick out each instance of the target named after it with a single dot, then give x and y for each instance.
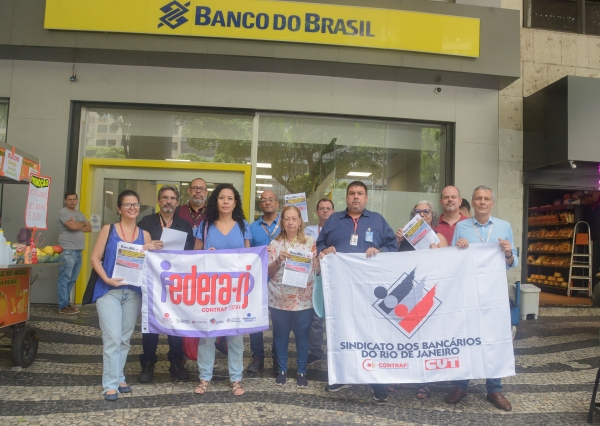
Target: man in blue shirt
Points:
(357, 230)
(483, 228)
(263, 230)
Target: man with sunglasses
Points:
(324, 209)
(264, 230)
(194, 211)
(168, 199)
(450, 201)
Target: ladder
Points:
(580, 271)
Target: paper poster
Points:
(298, 201)
(297, 268)
(96, 222)
(419, 234)
(36, 213)
(14, 296)
(12, 165)
(129, 263)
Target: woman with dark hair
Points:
(118, 304)
(224, 227)
(291, 307)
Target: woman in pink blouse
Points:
(291, 307)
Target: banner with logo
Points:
(417, 317)
(283, 21)
(205, 293)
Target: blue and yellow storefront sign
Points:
(274, 21)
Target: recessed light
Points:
(360, 174)
(109, 192)
(259, 192)
(265, 185)
(264, 177)
(263, 165)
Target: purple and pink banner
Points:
(205, 293)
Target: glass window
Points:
(3, 119)
(101, 142)
(112, 142)
(220, 138)
(102, 128)
(592, 17)
(401, 163)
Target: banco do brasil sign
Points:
(281, 21)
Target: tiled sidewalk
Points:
(557, 359)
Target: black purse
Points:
(88, 296)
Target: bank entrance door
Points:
(103, 179)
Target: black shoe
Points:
(302, 381)
(256, 365)
(275, 365)
(380, 395)
(335, 388)
(147, 374)
(281, 379)
(177, 370)
(312, 358)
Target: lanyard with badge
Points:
(354, 237)
(270, 234)
(479, 235)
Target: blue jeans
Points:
(257, 345)
(118, 311)
(67, 275)
(492, 385)
(235, 357)
(283, 323)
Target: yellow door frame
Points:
(87, 179)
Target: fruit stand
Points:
(16, 279)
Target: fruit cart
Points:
(16, 167)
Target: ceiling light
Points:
(264, 177)
(184, 184)
(359, 174)
(109, 192)
(259, 192)
(266, 185)
(263, 165)
(176, 159)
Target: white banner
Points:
(205, 293)
(417, 317)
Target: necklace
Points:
(164, 223)
(123, 232)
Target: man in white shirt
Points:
(324, 209)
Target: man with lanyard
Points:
(263, 230)
(168, 198)
(450, 201)
(357, 230)
(194, 211)
(483, 228)
(324, 209)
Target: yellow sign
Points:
(272, 20)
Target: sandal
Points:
(237, 389)
(423, 392)
(202, 387)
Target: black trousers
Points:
(150, 343)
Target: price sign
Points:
(36, 213)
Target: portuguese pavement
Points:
(556, 362)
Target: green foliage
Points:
(192, 157)
(104, 152)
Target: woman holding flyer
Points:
(224, 227)
(292, 261)
(118, 304)
(430, 215)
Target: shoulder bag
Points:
(88, 296)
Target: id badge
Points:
(369, 236)
(354, 240)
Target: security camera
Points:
(437, 90)
(73, 78)
(572, 164)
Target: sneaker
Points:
(380, 395)
(147, 374)
(335, 388)
(177, 370)
(73, 308)
(256, 365)
(312, 358)
(302, 381)
(281, 378)
(66, 311)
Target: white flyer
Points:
(419, 234)
(173, 239)
(129, 263)
(297, 268)
(298, 201)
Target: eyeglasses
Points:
(164, 197)
(130, 205)
(324, 209)
(426, 211)
(198, 188)
(268, 200)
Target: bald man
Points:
(450, 201)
